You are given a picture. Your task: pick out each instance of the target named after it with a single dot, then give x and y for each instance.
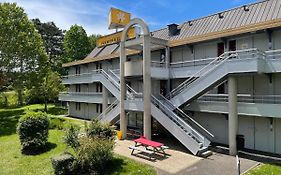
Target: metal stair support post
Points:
(147, 86)
(144, 40)
(104, 98)
(123, 119)
(232, 115)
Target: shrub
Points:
(56, 123)
(71, 137)
(64, 164)
(33, 130)
(94, 154)
(97, 129)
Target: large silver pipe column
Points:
(123, 119)
(104, 98)
(146, 86)
(232, 115)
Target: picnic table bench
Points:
(150, 147)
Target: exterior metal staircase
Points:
(244, 61)
(179, 124)
(110, 113)
(180, 128)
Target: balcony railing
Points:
(81, 93)
(243, 98)
(89, 97)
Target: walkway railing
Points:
(184, 116)
(81, 93)
(243, 98)
(108, 109)
(179, 121)
(250, 53)
(273, 54)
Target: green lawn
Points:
(266, 169)
(14, 163)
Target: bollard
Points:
(238, 165)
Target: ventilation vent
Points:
(220, 15)
(173, 29)
(246, 8)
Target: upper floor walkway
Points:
(267, 62)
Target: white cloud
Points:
(91, 15)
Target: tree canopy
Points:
(22, 52)
(53, 41)
(93, 40)
(76, 43)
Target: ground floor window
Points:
(78, 106)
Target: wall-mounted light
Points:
(190, 23)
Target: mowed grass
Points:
(266, 169)
(12, 162)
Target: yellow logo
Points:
(118, 18)
(114, 38)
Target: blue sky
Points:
(93, 14)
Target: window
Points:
(98, 66)
(78, 106)
(99, 108)
(162, 55)
(77, 88)
(77, 70)
(220, 48)
(99, 87)
(232, 45)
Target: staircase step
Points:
(206, 154)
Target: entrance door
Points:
(232, 45)
(220, 48)
(221, 88)
(263, 134)
(278, 135)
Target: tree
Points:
(22, 52)
(76, 43)
(93, 40)
(53, 40)
(47, 89)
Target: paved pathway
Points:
(182, 163)
(172, 164)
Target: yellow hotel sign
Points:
(118, 18)
(114, 38)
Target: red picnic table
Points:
(157, 147)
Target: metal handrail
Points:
(158, 64)
(176, 119)
(75, 75)
(273, 54)
(131, 93)
(108, 109)
(81, 93)
(246, 98)
(182, 114)
(192, 62)
(129, 87)
(208, 68)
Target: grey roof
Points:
(258, 12)
(108, 49)
(234, 18)
(94, 52)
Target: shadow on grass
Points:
(48, 147)
(54, 111)
(9, 120)
(115, 165)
